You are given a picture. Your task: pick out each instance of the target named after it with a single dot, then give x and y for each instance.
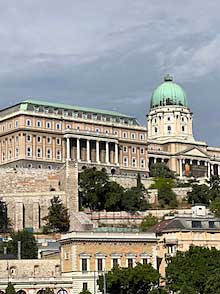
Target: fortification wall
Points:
(131, 181)
(28, 192)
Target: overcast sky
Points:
(112, 54)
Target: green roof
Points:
(168, 93)
(76, 108)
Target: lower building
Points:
(85, 256)
(179, 233)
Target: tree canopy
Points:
(161, 170)
(142, 279)
(58, 217)
(148, 222)
(192, 271)
(98, 192)
(166, 196)
(5, 223)
(199, 194)
(28, 244)
(85, 292)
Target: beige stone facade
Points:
(41, 134)
(85, 256)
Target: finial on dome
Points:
(168, 78)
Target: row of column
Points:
(210, 167)
(88, 150)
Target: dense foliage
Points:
(97, 192)
(4, 220)
(142, 279)
(148, 222)
(161, 170)
(28, 244)
(199, 194)
(166, 196)
(193, 271)
(58, 217)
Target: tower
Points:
(169, 116)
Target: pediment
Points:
(195, 152)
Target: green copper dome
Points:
(168, 93)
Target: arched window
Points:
(2, 292)
(21, 292)
(62, 291)
(41, 291)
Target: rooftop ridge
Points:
(75, 107)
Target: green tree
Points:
(161, 170)
(214, 190)
(141, 279)
(58, 217)
(5, 223)
(112, 194)
(148, 222)
(192, 269)
(199, 194)
(166, 196)
(91, 187)
(28, 244)
(212, 285)
(10, 289)
(49, 291)
(215, 207)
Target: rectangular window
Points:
(125, 161)
(16, 152)
(124, 135)
(39, 152)
(29, 138)
(133, 150)
(39, 139)
(48, 140)
(134, 163)
(211, 224)
(142, 163)
(58, 155)
(142, 150)
(133, 136)
(85, 286)
(48, 125)
(130, 262)
(16, 139)
(84, 264)
(16, 123)
(28, 123)
(100, 264)
(48, 153)
(39, 123)
(145, 260)
(115, 262)
(141, 136)
(125, 149)
(29, 151)
(58, 126)
(196, 224)
(58, 140)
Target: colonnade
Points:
(90, 150)
(212, 168)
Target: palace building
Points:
(38, 134)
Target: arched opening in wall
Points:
(62, 291)
(94, 168)
(2, 292)
(84, 167)
(41, 291)
(113, 171)
(20, 292)
(103, 170)
(52, 189)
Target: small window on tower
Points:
(183, 129)
(155, 130)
